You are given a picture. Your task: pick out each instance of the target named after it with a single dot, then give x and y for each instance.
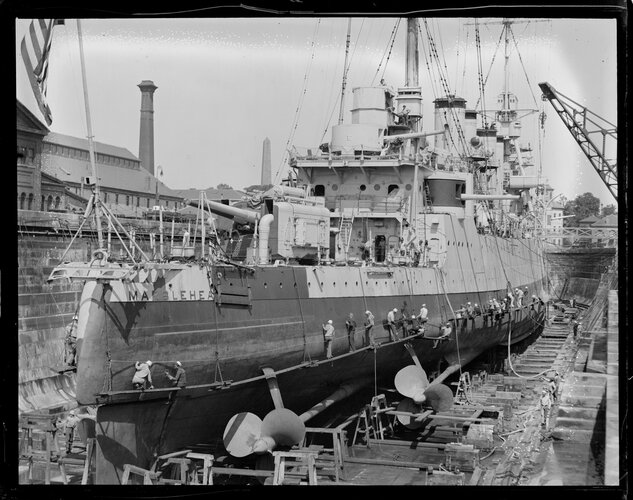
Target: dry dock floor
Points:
(514, 447)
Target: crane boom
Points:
(581, 122)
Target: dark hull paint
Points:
(139, 431)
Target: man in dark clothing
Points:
(350, 325)
(179, 379)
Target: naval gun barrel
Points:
(228, 211)
(412, 135)
(490, 197)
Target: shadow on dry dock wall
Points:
(597, 443)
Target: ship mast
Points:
(341, 110)
(411, 77)
(95, 194)
(412, 80)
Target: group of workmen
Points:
(413, 324)
(142, 378)
(408, 325)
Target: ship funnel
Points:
(246, 434)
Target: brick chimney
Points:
(146, 139)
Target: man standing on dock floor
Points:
(350, 324)
(328, 336)
(70, 424)
(545, 403)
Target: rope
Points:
(306, 352)
(459, 361)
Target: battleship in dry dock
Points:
(384, 216)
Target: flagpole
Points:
(97, 197)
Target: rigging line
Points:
(393, 40)
(445, 85)
(387, 51)
(465, 59)
(494, 56)
(524, 70)
(484, 118)
(360, 30)
(459, 360)
(439, 35)
(300, 103)
(459, 35)
(428, 67)
(306, 353)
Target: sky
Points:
(225, 84)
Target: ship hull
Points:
(225, 323)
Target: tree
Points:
(581, 207)
(608, 210)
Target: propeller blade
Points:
(409, 406)
(284, 426)
(439, 397)
(241, 433)
(411, 381)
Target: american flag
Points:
(35, 48)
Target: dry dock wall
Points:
(576, 272)
(44, 311)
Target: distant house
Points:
(609, 221)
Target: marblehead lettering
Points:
(135, 295)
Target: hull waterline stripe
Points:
(229, 328)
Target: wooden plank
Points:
(410, 444)
(231, 471)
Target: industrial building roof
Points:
(75, 170)
(78, 143)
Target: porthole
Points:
(334, 187)
(363, 187)
(408, 187)
(377, 187)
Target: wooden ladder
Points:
(379, 407)
(304, 459)
(364, 425)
